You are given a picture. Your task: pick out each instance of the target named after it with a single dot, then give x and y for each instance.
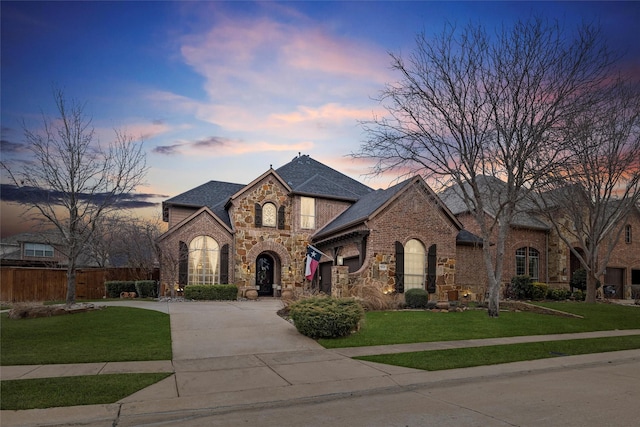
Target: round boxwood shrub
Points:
(416, 298)
(326, 317)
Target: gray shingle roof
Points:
(492, 190)
(213, 194)
(307, 176)
(363, 208)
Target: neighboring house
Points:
(534, 248)
(257, 234)
(38, 249)
(32, 250)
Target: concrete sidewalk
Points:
(230, 356)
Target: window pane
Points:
(414, 274)
(534, 261)
(307, 212)
(521, 256)
(204, 255)
(38, 250)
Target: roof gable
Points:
(247, 187)
(374, 202)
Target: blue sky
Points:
(223, 90)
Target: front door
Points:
(264, 275)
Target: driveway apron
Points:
(203, 330)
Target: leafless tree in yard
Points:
(72, 181)
(471, 104)
(588, 198)
(121, 240)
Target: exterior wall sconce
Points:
(340, 260)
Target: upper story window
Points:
(627, 233)
(307, 212)
(38, 250)
(269, 215)
(528, 263)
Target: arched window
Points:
(204, 265)
(269, 215)
(528, 263)
(414, 272)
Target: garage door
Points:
(613, 283)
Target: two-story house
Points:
(257, 234)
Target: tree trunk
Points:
(494, 299)
(591, 288)
(71, 284)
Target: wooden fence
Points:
(23, 284)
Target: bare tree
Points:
(72, 181)
(588, 198)
(121, 240)
(472, 105)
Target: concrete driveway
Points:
(203, 330)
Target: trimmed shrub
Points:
(211, 292)
(115, 287)
(326, 317)
(521, 287)
(558, 294)
(416, 298)
(579, 295)
(579, 279)
(539, 290)
(147, 288)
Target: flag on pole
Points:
(313, 259)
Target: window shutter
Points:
(281, 218)
(258, 215)
(224, 264)
(183, 264)
(399, 268)
(431, 269)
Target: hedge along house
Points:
(256, 235)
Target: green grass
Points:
(113, 334)
(479, 356)
(73, 391)
(403, 327)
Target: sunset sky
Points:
(222, 90)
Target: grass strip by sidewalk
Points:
(404, 327)
(436, 360)
(73, 391)
(113, 334)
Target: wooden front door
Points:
(264, 275)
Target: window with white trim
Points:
(39, 250)
(528, 263)
(269, 215)
(204, 261)
(307, 212)
(414, 271)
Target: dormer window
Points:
(269, 215)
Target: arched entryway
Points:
(267, 273)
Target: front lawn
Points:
(114, 334)
(73, 391)
(403, 327)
